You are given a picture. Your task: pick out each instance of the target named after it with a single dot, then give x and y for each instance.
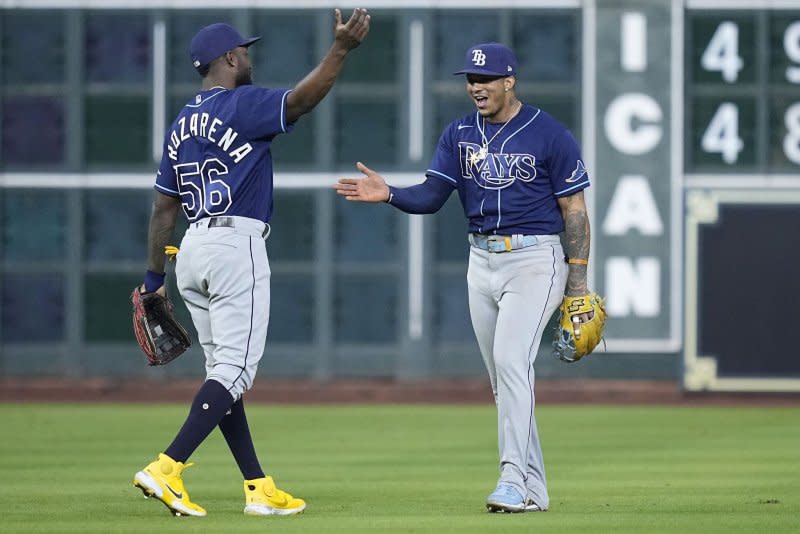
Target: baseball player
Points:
(520, 178)
(217, 169)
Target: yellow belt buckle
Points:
(507, 239)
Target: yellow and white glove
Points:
(574, 337)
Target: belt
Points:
(502, 243)
(221, 222)
(227, 222)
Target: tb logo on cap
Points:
(478, 58)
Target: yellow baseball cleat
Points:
(162, 480)
(263, 498)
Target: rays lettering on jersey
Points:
(203, 125)
(496, 170)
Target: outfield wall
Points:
(688, 114)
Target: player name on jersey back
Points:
(200, 124)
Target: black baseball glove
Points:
(160, 336)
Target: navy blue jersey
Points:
(217, 156)
(511, 187)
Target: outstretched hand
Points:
(351, 34)
(371, 188)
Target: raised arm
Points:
(313, 88)
(576, 241)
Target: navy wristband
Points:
(153, 281)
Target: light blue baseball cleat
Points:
(505, 499)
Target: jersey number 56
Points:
(202, 189)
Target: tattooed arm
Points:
(162, 225)
(576, 241)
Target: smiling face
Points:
(492, 95)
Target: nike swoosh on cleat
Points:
(178, 495)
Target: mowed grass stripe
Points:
(68, 468)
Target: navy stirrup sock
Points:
(208, 408)
(237, 433)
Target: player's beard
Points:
(244, 77)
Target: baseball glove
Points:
(575, 339)
(160, 336)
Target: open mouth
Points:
(481, 101)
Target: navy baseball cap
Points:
(490, 59)
(213, 41)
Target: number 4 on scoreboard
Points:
(722, 134)
(722, 52)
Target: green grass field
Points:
(68, 468)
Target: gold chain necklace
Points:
(481, 154)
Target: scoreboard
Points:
(695, 153)
(742, 91)
(742, 165)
